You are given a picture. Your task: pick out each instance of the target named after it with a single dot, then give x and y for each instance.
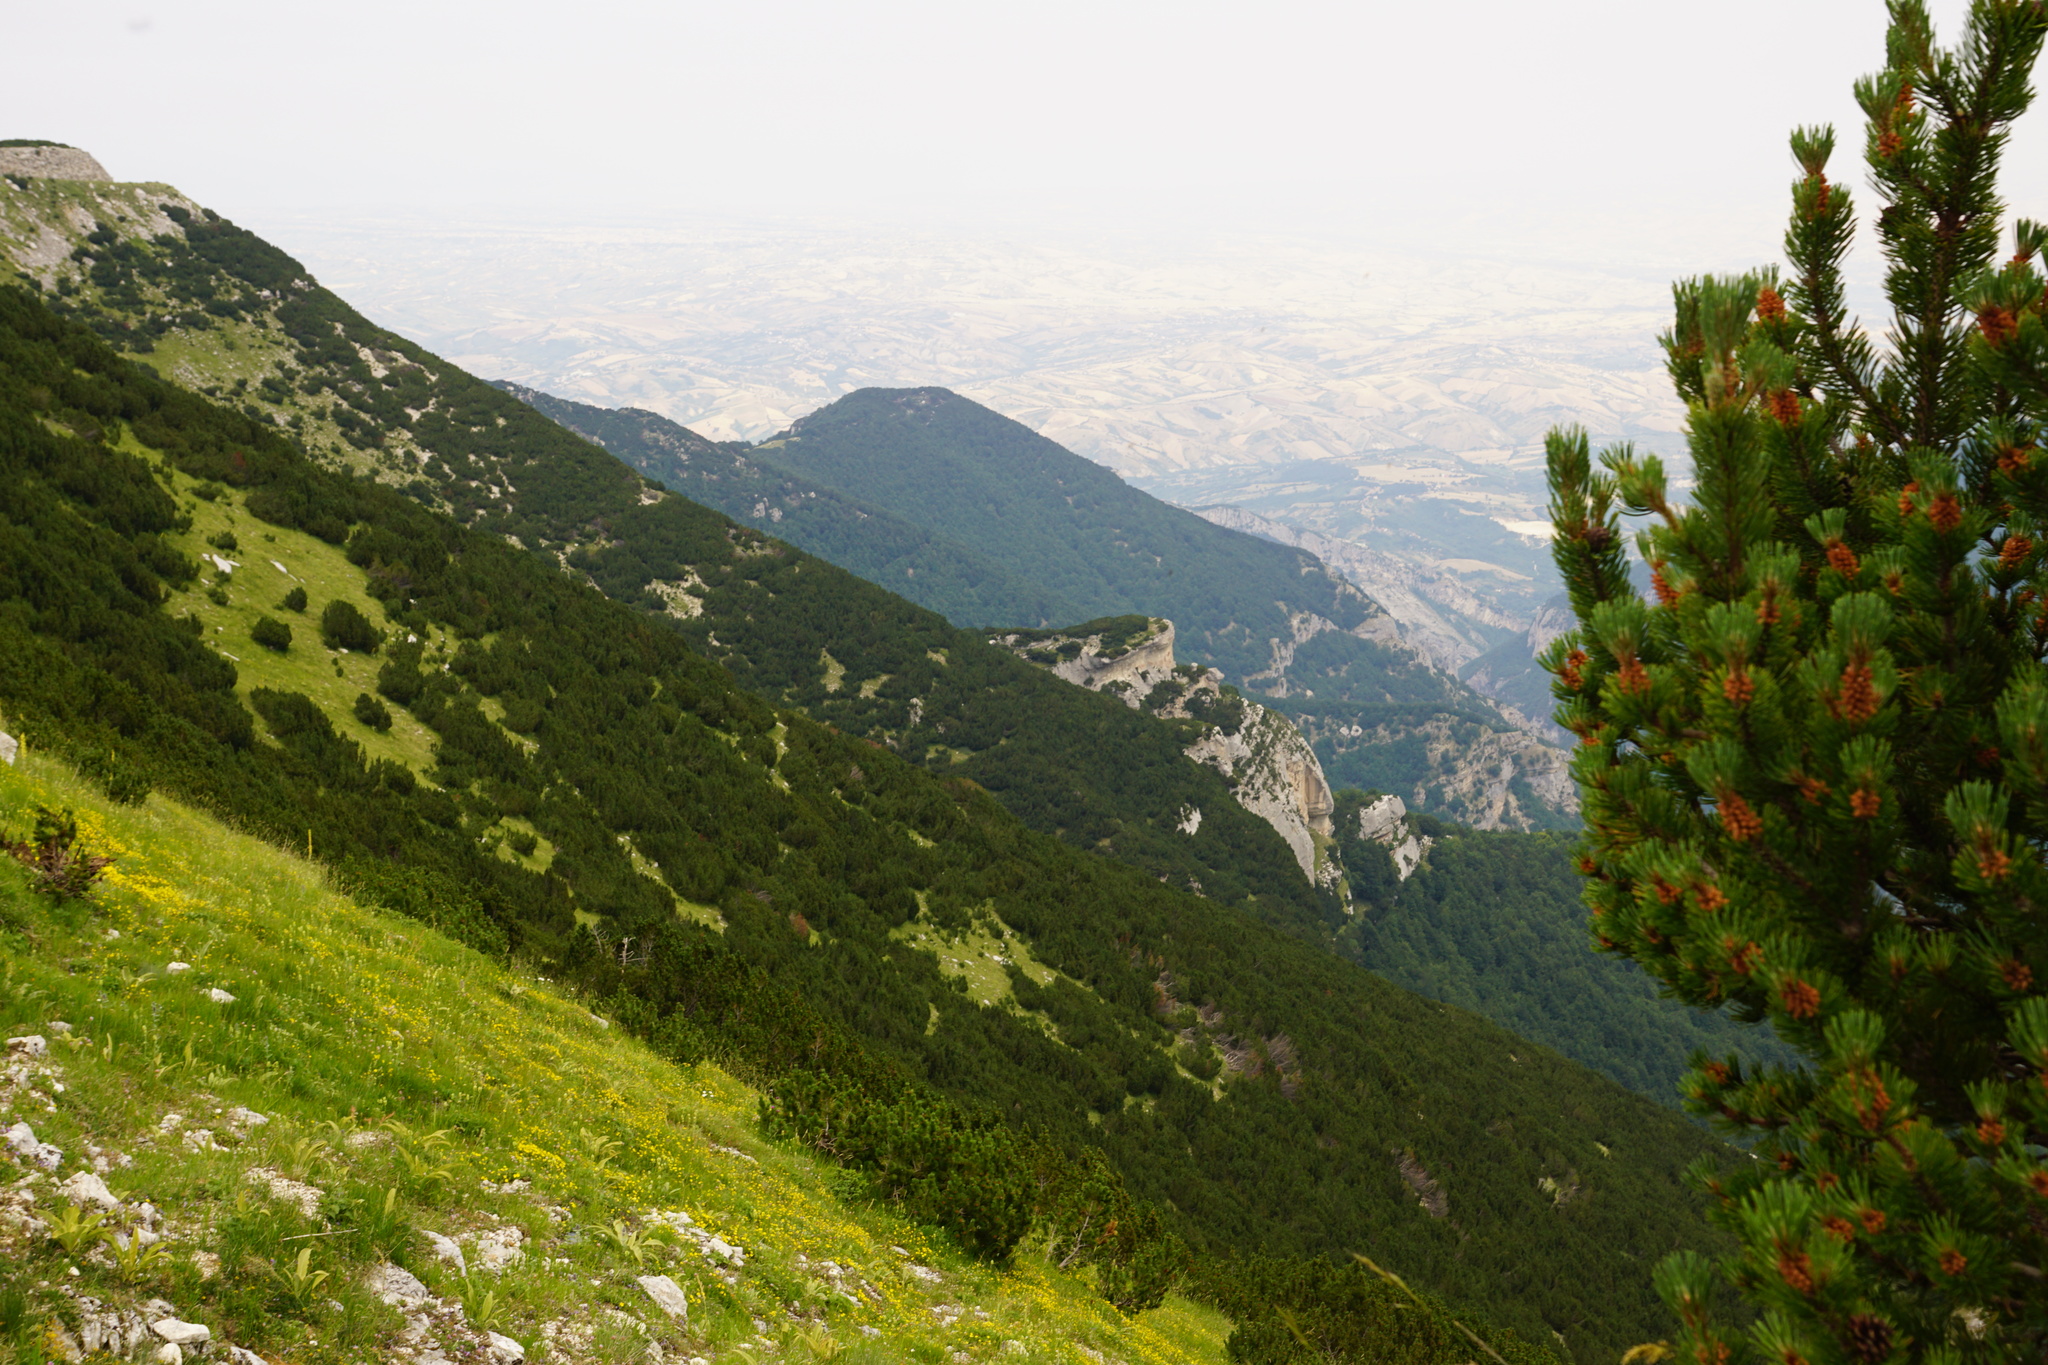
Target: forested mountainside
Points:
(1493, 922)
(466, 733)
(1490, 921)
(209, 303)
(961, 585)
(1270, 616)
(214, 307)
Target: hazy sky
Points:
(1581, 126)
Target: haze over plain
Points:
(1342, 265)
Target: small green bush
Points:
(271, 634)
(342, 626)
(372, 712)
(224, 541)
(295, 600)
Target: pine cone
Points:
(1870, 1338)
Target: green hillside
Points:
(215, 307)
(604, 803)
(1273, 618)
(966, 588)
(1493, 923)
(1099, 546)
(371, 1082)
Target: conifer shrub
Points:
(295, 600)
(343, 626)
(1815, 761)
(271, 634)
(372, 712)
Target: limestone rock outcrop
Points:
(1385, 821)
(51, 163)
(1272, 771)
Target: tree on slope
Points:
(1815, 766)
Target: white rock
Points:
(182, 1333)
(239, 1117)
(397, 1286)
(220, 997)
(169, 1123)
(504, 1348)
(21, 1140)
(58, 1027)
(499, 1248)
(10, 748)
(113, 934)
(667, 1296)
(201, 1140)
(447, 1250)
(925, 1273)
(241, 1355)
(33, 1045)
(170, 1353)
(86, 1188)
(173, 968)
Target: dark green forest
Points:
(1493, 923)
(1339, 1088)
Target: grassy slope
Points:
(347, 1019)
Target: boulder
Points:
(504, 1348)
(32, 1045)
(21, 1140)
(182, 1333)
(667, 1296)
(86, 1188)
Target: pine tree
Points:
(1815, 760)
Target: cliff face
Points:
(51, 162)
(1273, 773)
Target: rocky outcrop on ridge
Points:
(1272, 771)
(50, 161)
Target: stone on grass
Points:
(182, 1333)
(667, 1296)
(242, 1355)
(170, 1353)
(220, 997)
(447, 1250)
(87, 1188)
(504, 1348)
(21, 1140)
(10, 748)
(33, 1045)
(396, 1286)
(499, 1248)
(173, 968)
(58, 1028)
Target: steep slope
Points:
(212, 306)
(1493, 923)
(1273, 618)
(1100, 546)
(604, 802)
(1271, 769)
(364, 1085)
(966, 588)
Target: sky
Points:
(1580, 129)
